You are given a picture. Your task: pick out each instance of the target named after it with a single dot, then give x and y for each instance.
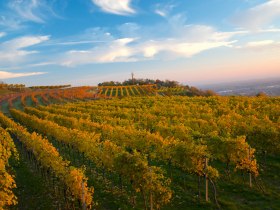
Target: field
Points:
(137, 148)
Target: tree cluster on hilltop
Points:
(50, 87)
(159, 83)
(14, 87)
(193, 91)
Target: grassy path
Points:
(32, 190)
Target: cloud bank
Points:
(258, 16)
(10, 75)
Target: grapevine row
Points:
(49, 157)
(143, 141)
(7, 182)
(132, 166)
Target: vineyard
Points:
(128, 90)
(149, 90)
(44, 96)
(97, 149)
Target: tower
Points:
(132, 78)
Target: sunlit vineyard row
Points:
(149, 90)
(46, 96)
(128, 90)
(49, 162)
(7, 182)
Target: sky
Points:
(84, 42)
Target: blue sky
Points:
(83, 42)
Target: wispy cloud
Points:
(69, 43)
(19, 12)
(183, 41)
(258, 16)
(257, 45)
(27, 9)
(163, 9)
(115, 51)
(27, 66)
(10, 75)
(198, 39)
(13, 50)
(118, 7)
(179, 48)
(10, 22)
(120, 51)
(23, 42)
(171, 40)
(41, 64)
(31, 10)
(261, 45)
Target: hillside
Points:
(143, 148)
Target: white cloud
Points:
(9, 75)
(18, 12)
(41, 64)
(269, 30)
(163, 9)
(14, 56)
(2, 34)
(129, 29)
(160, 13)
(178, 48)
(115, 51)
(68, 43)
(10, 23)
(186, 49)
(13, 50)
(260, 43)
(171, 40)
(33, 10)
(27, 9)
(128, 50)
(183, 41)
(118, 7)
(263, 45)
(258, 16)
(23, 42)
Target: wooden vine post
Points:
(206, 179)
(83, 197)
(151, 201)
(151, 195)
(250, 175)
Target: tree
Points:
(261, 94)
